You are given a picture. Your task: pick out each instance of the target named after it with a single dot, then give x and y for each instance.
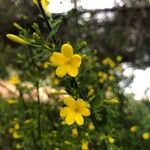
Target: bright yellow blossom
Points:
(44, 3)
(74, 111)
(17, 39)
(146, 135)
(133, 129)
(67, 62)
(84, 145)
(14, 80)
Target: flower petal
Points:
(61, 71)
(85, 112)
(70, 118)
(64, 111)
(81, 103)
(67, 50)
(57, 59)
(79, 119)
(76, 60)
(70, 102)
(72, 71)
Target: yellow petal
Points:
(80, 103)
(76, 60)
(85, 112)
(70, 102)
(57, 59)
(61, 71)
(67, 50)
(70, 118)
(79, 119)
(64, 111)
(72, 71)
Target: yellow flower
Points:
(18, 146)
(111, 140)
(111, 77)
(146, 135)
(74, 132)
(16, 126)
(14, 80)
(74, 111)
(44, 3)
(91, 126)
(109, 61)
(67, 62)
(119, 58)
(133, 129)
(16, 135)
(84, 145)
(17, 39)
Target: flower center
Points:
(68, 62)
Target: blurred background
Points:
(113, 27)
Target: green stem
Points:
(46, 20)
(39, 110)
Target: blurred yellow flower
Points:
(17, 39)
(133, 129)
(44, 3)
(74, 111)
(146, 135)
(16, 126)
(18, 146)
(67, 62)
(111, 140)
(109, 61)
(85, 145)
(16, 135)
(91, 126)
(14, 80)
(119, 58)
(46, 64)
(74, 132)
(111, 78)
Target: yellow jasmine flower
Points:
(85, 145)
(74, 132)
(91, 126)
(133, 129)
(74, 111)
(44, 3)
(67, 62)
(146, 135)
(14, 80)
(17, 39)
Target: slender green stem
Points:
(39, 110)
(46, 20)
(77, 87)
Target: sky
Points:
(142, 77)
(59, 6)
